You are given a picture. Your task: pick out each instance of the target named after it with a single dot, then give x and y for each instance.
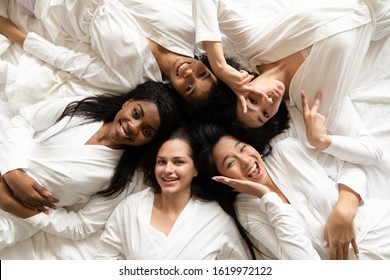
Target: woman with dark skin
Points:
(160, 50)
(96, 145)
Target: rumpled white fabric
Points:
(24, 78)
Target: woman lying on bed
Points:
(314, 46)
(143, 40)
(68, 149)
(171, 219)
(285, 197)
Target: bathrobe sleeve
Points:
(275, 226)
(23, 128)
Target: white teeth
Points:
(253, 168)
(169, 179)
(122, 131)
(182, 67)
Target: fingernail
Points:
(357, 255)
(226, 180)
(325, 244)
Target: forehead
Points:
(224, 145)
(174, 148)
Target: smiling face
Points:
(192, 79)
(237, 160)
(260, 109)
(136, 123)
(174, 167)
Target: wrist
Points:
(323, 142)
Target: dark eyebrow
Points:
(251, 110)
(142, 110)
(226, 157)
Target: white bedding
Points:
(25, 79)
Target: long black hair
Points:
(207, 136)
(105, 107)
(221, 108)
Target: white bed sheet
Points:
(25, 79)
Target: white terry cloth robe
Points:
(339, 33)
(55, 155)
(203, 231)
(312, 196)
(123, 56)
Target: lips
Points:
(168, 181)
(123, 132)
(254, 171)
(182, 68)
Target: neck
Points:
(283, 70)
(164, 58)
(172, 203)
(102, 137)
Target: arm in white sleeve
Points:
(345, 173)
(350, 140)
(21, 131)
(205, 15)
(80, 224)
(93, 70)
(92, 217)
(111, 243)
(276, 225)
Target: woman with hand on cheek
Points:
(285, 198)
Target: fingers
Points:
(243, 104)
(47, 197)
(355, 247)
(305, 105)
(345, 252)
(316, 102)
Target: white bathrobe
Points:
(312, 196)
(339, 33)
(203, 231)
(56, 156)
(117, 31)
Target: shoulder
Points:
(134, 200)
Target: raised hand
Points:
(315, 123)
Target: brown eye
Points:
(188, 88)
(136, 114)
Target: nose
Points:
(134, 127)
(168, 168)
(245, 161)
(267, 101)
(189, 71)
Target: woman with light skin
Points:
(170, 220)
(311, 48)
(284, 198)
(77, 152)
